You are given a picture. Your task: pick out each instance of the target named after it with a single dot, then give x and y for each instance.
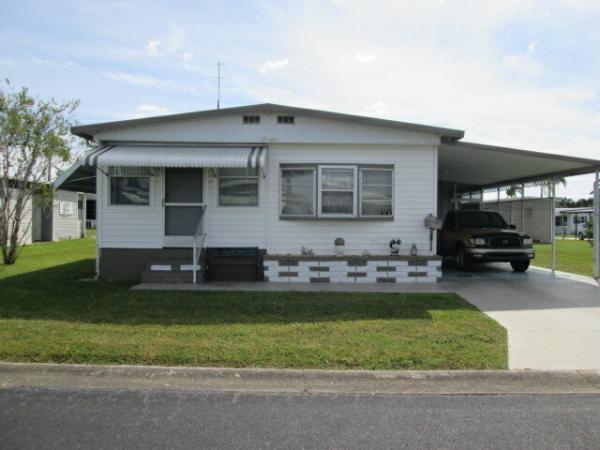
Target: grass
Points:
(571, 256)
(46, 315)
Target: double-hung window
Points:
(337, 191)
(238, 187)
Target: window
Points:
(130, 190)
(286, 120)
(376, 192)
(298, 191)
(251, 120)
(337, 191)
(340, 191)
(65, 208)
(238, 187)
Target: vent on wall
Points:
(251, 120)
(287, 120)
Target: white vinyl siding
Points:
(414, 197)
(537, 213)
(130, 226)
(306, 130)
(65, 221)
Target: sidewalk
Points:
(299, 381)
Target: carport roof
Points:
(488, 166)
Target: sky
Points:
(521, 73)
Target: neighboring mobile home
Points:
(575, 221)
(280, 193)
(62, 219)
(530, 215)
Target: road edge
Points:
(435, 382)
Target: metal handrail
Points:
(199, 238)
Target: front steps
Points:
(170, 272)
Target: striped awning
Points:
(176, 156)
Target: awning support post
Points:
(552, 223)
(596, 228)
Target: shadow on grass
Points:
(56, 294)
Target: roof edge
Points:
(522, 152)
(87, 131)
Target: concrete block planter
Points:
(352, 269)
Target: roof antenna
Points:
(219, 64)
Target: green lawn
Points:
(46, 315)
(571, 256)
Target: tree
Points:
(34, 138)
(545, 187)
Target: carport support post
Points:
(522, 202)
(498, 200)
(552, 223)
(596, 228)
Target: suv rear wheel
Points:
(463, 260)
(520, 266)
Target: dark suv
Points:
(484, 236)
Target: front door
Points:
(183, 205)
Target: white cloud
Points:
(532, 46)
(149, 110)
(148, 81)
(523, 65)
(359, 58)
(152, 46)
(379, 109)
(271, 66)
(137, 79)
(363, 58)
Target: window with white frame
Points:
(337, 191)
(129, 186)
(238, 187)
(376, 192)
(298, 191)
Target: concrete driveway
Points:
(553, 321)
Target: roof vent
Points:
(251, 120)
(286, 120)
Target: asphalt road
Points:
(103, 418)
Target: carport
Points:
(468, 170)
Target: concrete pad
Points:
(553, 320)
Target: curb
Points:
(439, 382)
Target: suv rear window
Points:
(481, 219)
